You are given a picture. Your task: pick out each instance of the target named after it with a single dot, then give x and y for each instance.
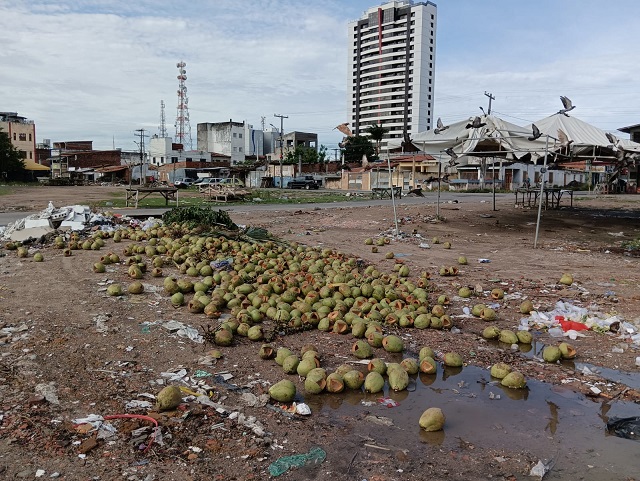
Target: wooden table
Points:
(552, 197)
(385, 192)
(139, 193)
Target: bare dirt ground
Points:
(64, 335)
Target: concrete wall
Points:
(161, 153)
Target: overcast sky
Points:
(98, 69)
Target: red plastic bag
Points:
(571, 325)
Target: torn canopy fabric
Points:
(495, 138)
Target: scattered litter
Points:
(424, 245)
(183, 330)
(628, 428)
(303, 409)
(494, 396)
(101, 322)
(484, 261)
(390, 403)
(282, 465)
(379, 420)
(48, 391)
(252, 400)
(539, 470)
(40, 473)
(136, 404)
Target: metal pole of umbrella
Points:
(543, 172)
(393, 197)
(439, 177)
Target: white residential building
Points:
(162, 150)
(391, 68)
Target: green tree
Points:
(376, 133)
(308, 155)
(357, 146)
(11, 162)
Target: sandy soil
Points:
(63, 334)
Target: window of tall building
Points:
(174, 160)
(30, 155)
(29, 137)
(14, 136)
(22, 137)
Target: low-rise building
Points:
(22, 133)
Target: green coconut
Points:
(308, 348)
(282, 354)
(514, 380)
(283, 391)
(223, 337)
(195, 306)
(566, 279)
(393, 344)
(377, 365)
(452, 359)
(411, 365)
(342, 369)
(243, 329)
(374, 338)
(368, 241)
(462, 260)
(169, 398)
(437, 310)
(567, 350)
(526, 307)
(422, 321)
(500, 370)
(38, 257)
(255, 333)
(114, 290)
(135, 287)
(477, 309)
(488, 314)
(426, 352)
(551, 353)
(446, 245)
(315, 381)
(432, 420)
(374, 382)
(464, 292)
(404, 271)
(177, 299)
(335, 383)
(491, 332)
(428, 365)
(353, 379)
(290, 364)
(398, 379)
(306, 365)
(524, 337)
(99, 268)
(508, 337)
(361, 350)
(358, 329)
(266, 352)
(23, 252)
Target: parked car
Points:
(183, 183)
(204, 181)
(304, 182)
(232, 182)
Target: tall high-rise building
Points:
(392, 53)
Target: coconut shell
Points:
(222, 337)
(361, 350)
(343, 369)
(500, 369)
(567, 350)
(377, 365)
(266, 352)
(566, 279)
(283, 391)
(307, 365)
(335, 383)
(508, 337)
(497, 293)
(514, 380)
(114, 290)
(374, 382)
(282, 354)
(432, 419)
(477, 309)
(526, 307)
(491, 332)
(169, 398)
(398, 379)
(375, 338)
(488, 314)
(428, 365)
(426, 352)
(452, 359)
(393, 344)
(255, 333)
(524, 337)
(422, 321)
(353, 379)
(551, 353)
(135, 287)
(290, 364)
(464, 292)
(410, 365)
(358, 329)
(315, 381)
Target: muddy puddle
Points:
(550, 422)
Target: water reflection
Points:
(433, 438)
(448, 372)
(552, 425)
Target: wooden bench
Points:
(385, 192)
(220, 193)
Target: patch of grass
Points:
(632, 245)
(5, 189)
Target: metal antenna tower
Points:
(183, 127)
(163, 120)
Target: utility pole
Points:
(281, 117)
(491, 97)
(335, 154)
(140, 133)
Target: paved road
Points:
(429, 199)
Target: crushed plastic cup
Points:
(556, 332)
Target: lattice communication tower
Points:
(183, 127)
